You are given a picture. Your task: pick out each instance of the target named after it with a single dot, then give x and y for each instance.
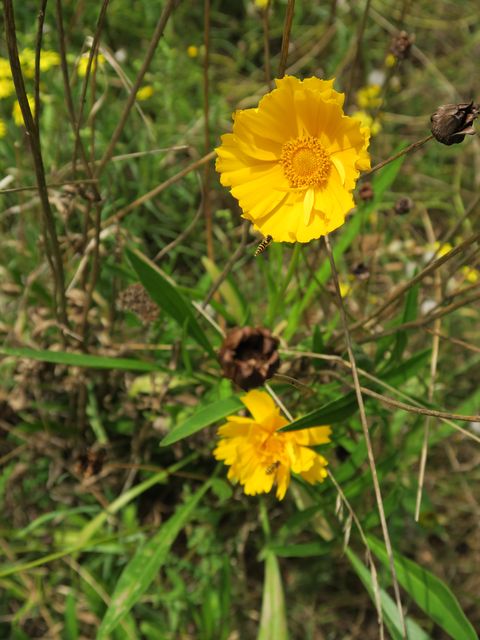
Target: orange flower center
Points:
(305, 162)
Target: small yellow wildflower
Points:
(5, 71)
(7, 88)
(369, 97)
(366, 120)
(441, 250)
(390, 60)
(3, 129)
(293, 161)
(345, 288)
(261, 4)
(470, 274)
(49, 59)
(17, 112)
(27, 60)
(192, 51)
(83, 64)
(259, 455)
(144, 93)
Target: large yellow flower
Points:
(293, 161)
(260, 455)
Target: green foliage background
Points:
(157, 544)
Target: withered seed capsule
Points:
(249, 356)
(452, 122)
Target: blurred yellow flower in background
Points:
(7, 88)
(259, 455)
(293, 161)
(83, 64)
(192, 51)
(144, 93)
(369, 97)
(17, 112)
(5, 71)
(3, 129)
(470, 274)
(261, 4)
(390, 60)
(366, 120)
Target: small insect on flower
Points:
(272, 468)
(263, 245)
(260, 455)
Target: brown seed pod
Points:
(403, 205)
(366, 192)
(401, 44)
(249, 356)
(452, 122)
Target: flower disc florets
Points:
(292, 162)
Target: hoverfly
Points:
(272, 468)
(263, 245)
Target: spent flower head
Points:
(293, 161)
(452, 122)
(260, 456)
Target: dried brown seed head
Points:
(452, 122)
(365, 192)
(403, 205)
(401, 44)
(361, 271)
(249, 356)
(135, 298)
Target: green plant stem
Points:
(287, 28)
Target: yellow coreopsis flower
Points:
(366, 120)
(83, 64)
(192, 51)
(5, 71)
(259, 455)
(7, 88)
(293, 161)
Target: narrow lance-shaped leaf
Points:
(429, 592)
(202, 418)
(273, 621)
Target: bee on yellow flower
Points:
(260, 455)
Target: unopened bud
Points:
(403, 205)
(365, 193)
(401, 45)
(452, 122)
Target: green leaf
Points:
(273, 621)
(409, 314)
(302, 550)
(145, 565)
(167, 297)
(430, 593)
(203, 418)
(390, 613)
(79, 359)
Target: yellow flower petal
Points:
(260, 456)
(293, 162)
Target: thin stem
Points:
(266, 44)
(158, 33)
(366, 433)
(34, 139)
(358, 47)
(411, 147)
(287, 28)
(207, 211)
(38, 52)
